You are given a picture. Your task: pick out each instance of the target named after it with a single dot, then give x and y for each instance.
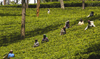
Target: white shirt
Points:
(36, 44)
(90, 25)
(48, 11)
(81, 23)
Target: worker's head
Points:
(88, 21)
(81, 20)
(68, 21)
(44, 36)
(36, 40)
(92, 12)
(11, 51)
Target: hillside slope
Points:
(76, 44)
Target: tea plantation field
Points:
(76, 44)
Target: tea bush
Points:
(76, 44)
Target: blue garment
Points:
(10, 55)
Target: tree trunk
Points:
(16, 1)
(8, 2)
(23, 19)
(27, 3)
(42, 1)
(50, 0)
(38, 5)
(1, 3)
(83, 4)
(62, 4)
(4, 2)
(92, 0)
(34, 1)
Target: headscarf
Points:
(67, 24)
(81, 20)
(36, 40)
(11, 51)
(92, 13)
(48, 9)
(44, 36)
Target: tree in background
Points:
(42, 1)
(37, 9)
(0, 3)
(83, 4)
(8, 2)
(23, 19)
(4, 2)
(62, 4)
(16, 2)
(12, 2)
(50, 0)
(34, 1)
(27, 3)
(47, 0)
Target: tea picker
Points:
(67, 24)
(90, 24)
(36, 43)
(45, 39)
(63, 31)
(48, 11)
(81, 22)
(9, 55)
(91, 14)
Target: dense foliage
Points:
(57, 4)
(76, 44)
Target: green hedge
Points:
(57, 4)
